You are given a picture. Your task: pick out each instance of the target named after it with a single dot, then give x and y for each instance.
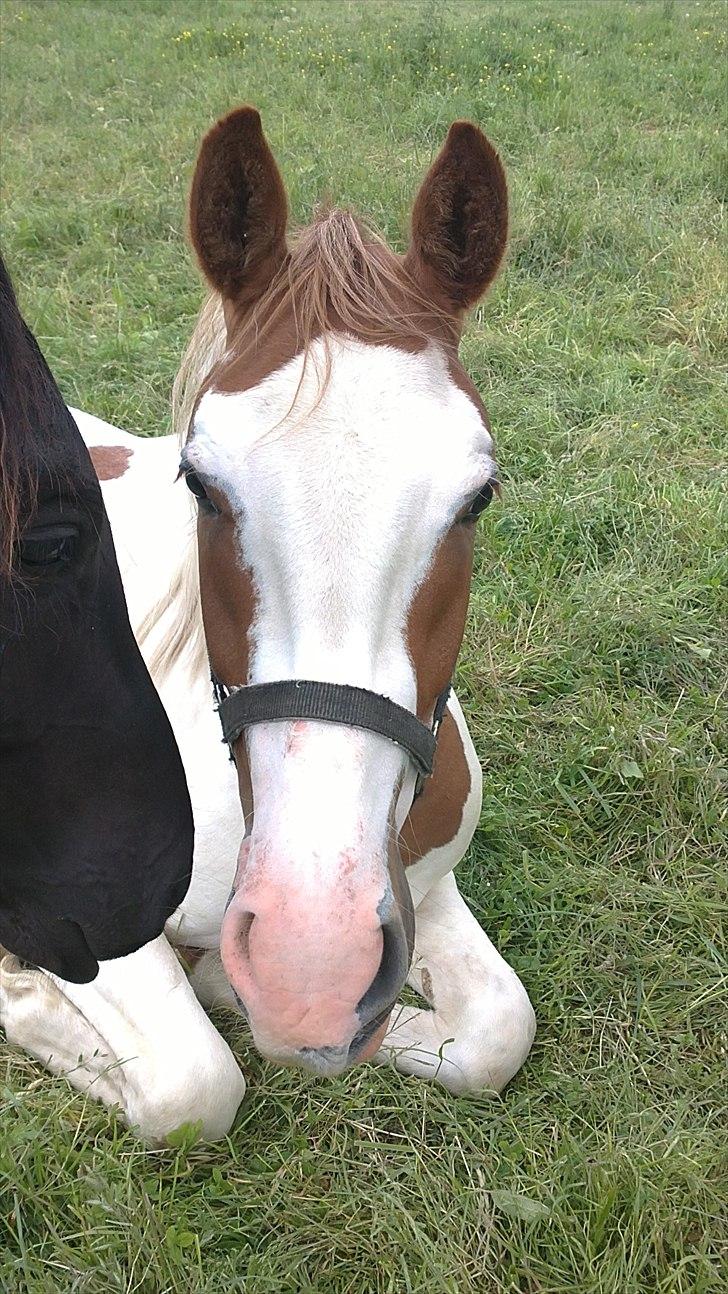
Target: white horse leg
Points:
(481, 1025)
(135, 1037)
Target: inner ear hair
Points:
(238, 209)
(460, 219)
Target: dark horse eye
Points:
(48, 546)
(481, 501)
(195, 486)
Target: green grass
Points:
(595, 660)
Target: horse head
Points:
(340, 457)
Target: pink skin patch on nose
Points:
(301, 947)
(296, 736)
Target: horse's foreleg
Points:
(135, 1037)
(480, 1027)
(481, 1023)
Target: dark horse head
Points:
(95, 819)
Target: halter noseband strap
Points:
(353, 707)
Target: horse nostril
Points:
(245, 933)
(379, 998)
(242, 934)
(235, 948)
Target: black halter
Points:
(353, 707)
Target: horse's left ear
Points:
(460, 219)
(238, 208)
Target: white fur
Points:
(136, 1037)
(481, 1025)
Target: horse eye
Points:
(195, 486)
(52, 546)
(481, 501)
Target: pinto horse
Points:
(338, 457)
(96, 833)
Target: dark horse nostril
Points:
(243, 934)
(374, 1007)
(242, 939)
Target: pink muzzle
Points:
(316, 956)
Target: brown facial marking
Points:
(276, 343)
(243, 372)
(228, 599)
(227, 594)
(463, 380)
(435, 817)
(436, 619)
(110, 461)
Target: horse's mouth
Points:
(328, 1062)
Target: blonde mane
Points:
(339, 277)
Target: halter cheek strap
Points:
(352, 707)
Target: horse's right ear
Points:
(238, 208)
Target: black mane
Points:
(30, 405)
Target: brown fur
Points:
(110, 461)
(436, 620)
(238, 208)
(339, 277)
(460, 219)
(227, 595)
(435, 817)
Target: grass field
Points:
(594, 668)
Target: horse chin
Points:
(326, 1062)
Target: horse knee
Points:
(26, 995)
(493, 1040)
(203, 1088)
(158, 1085)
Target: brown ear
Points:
(238, 207)
(460, 219)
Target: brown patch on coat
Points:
(436, 620)
(338, 280)
(110, 461)
(435, 817)
(228, 599)
(435, 627)
(227, 594)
